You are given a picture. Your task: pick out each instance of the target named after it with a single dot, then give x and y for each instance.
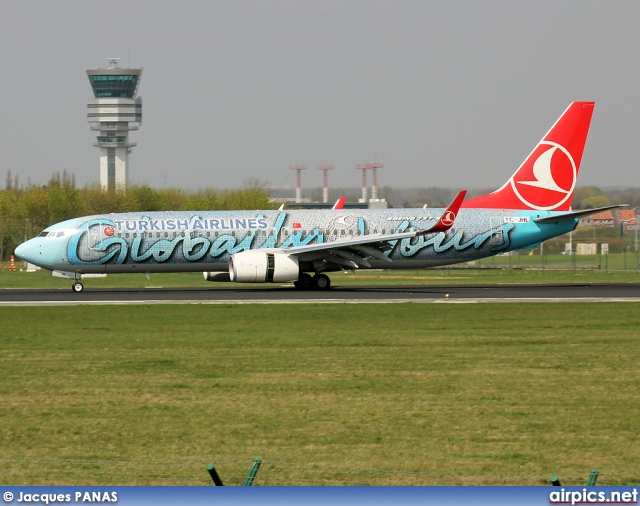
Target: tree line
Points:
(25, 210)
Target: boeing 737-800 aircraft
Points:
(301, 246)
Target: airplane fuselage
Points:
(204, 241)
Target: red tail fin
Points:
(547, 178)
(339, 203)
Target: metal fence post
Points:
(252, 473)
(214, 475)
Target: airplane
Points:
(302, 246)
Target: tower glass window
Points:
(114, 86)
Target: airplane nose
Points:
(20, 250)
(26, 252)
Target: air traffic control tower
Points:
(114, 112)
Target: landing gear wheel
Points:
(304, 282)
(321, 282)
(77, 287)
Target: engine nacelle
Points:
(216, 276)
(260, 266)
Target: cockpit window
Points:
(54, 234)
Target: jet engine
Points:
(216, 276)
(256, 266)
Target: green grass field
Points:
(388, 394)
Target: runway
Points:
(599, 292)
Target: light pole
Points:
(635, 218)
(26, 224)
(622, 224)
(571, 255)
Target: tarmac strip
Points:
(17, 303)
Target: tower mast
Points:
(325, 168)
(298, 169)
(113, 113)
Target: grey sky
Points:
(448, 93)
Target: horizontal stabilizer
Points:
(576, 214)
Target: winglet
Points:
(339, 203)
(448, 217)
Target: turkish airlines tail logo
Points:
(547, 178)
(543, 173)
(548, 181)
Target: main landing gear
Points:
(317, 282)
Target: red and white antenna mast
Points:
(374, 166)
(325, 168)
(298, 169)
(363, 168)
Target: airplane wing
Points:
(354, 251)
